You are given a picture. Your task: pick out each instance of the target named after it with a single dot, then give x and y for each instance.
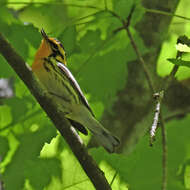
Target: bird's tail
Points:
(103, 137)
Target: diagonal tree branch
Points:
(24, 72)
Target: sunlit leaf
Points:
(183, 48)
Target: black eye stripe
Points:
(55, 49)
(55, 53)
(55, 46)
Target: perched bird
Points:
(50, 68)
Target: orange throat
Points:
(43, 52)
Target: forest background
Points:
(119, 68)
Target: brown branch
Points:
(24, 72)
(165, 153)
(178, 115)
(145, 69)
(126, 27)
(158, 98)
(164, 136)
(142, 62)
(172, 73)
(151, 86)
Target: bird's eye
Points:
(54, 46)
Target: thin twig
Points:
(163, 129)
(81, 23)
(165, 154)
(96, 50)
(165, 13)
(106, 4)
(170, 77)
(116, 16)
(87, 16)
(164, 136)
(172, 73)
(178, 115)
(52, 3)
(115, 175)
(151, 86)
(145, 69)
(24, 72)
(126, 27)
(158, 97)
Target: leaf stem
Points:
(165, 13)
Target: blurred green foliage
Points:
(177, 28)
(33, 156)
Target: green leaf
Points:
(4, 147)
(5, 116)
(72, 176)
(38, 166)
(25, 162)
(106, 75)
(179, 62)
(187, 177)
(145, 162)
(68, 38)
(137, 14)
(51, 22)
(123, 7)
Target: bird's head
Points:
(51, 47)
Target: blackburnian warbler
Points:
(50, 68)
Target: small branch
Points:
(172, 73)
(85, 17)
(155, 123)
(165, 154)
(116, 16)
(24, 72)
(158, 97)
(106, 4)
(158, 111)
(145, 69)
(157, 118)
(115, 175)
(96, 50)
(164, 136)
(165, 13)
(178, 115)
(170, 77)
(126, 27)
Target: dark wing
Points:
(74, 84)
(78, 126)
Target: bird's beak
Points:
(44, 35)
